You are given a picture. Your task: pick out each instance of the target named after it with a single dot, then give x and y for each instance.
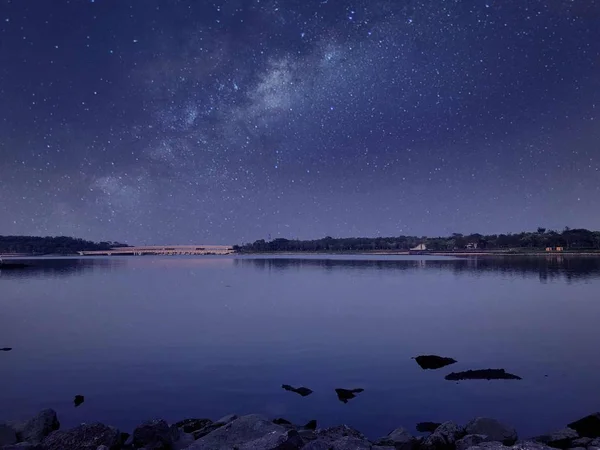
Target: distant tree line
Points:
(59, 245)
(569, 239)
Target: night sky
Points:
(222, 122)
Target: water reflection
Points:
(545, 268)
(60, 267)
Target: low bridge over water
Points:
(164, 250)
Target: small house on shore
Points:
(420, 249)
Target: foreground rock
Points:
(493, 430)
(8, 435)
(471, 440)
(559, 439)
(347, 394)
(433, 362)
(427, 427)
(84, 437)
(155, 434)
(38, 427)
(400, 438)
(482, 374)
(191, 425)
(303, 391)
(525, 445)
(589, 426)
(444, 437)
(332, 434)
(212, 426)
(238, 432)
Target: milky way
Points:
(151, 121)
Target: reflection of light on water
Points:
(171, 261)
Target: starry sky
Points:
(222, 122)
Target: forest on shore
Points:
(578, 239)
(50, 245)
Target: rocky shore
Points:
(256, 432)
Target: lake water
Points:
(178, 337)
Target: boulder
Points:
(310, 425)
(582, 442)
(8, 435)
(289, 440)
(238, 432)
(588, 426)
(427, 427)
(594, 443)
(351, 443)
(183, 442)
(444, 437)
(493, 429)
(37, 428)
(317, 444)
(282, 422)
(330, 435)
(155, 434)
(559, 439)
(191, 425)
(470, 440)
(400, 438)
(523, 445)
(84, 437)
(433, 362)
(23, 446)
(214, 426)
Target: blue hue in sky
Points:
(225, 122)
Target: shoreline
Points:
(256, 432)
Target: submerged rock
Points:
(427, 427)
(347, 394)
(5, 349)
(482, 374)
(155, 434)
(493, 429)
(399, 439)
(37, 428)
(588, 426)
(433, 361)
(559, 439)
(303, 391)
(236, 433)
(79, 399)
(84, 437)
(444, 437)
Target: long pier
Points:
(164, 250)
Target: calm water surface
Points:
(202, 337)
